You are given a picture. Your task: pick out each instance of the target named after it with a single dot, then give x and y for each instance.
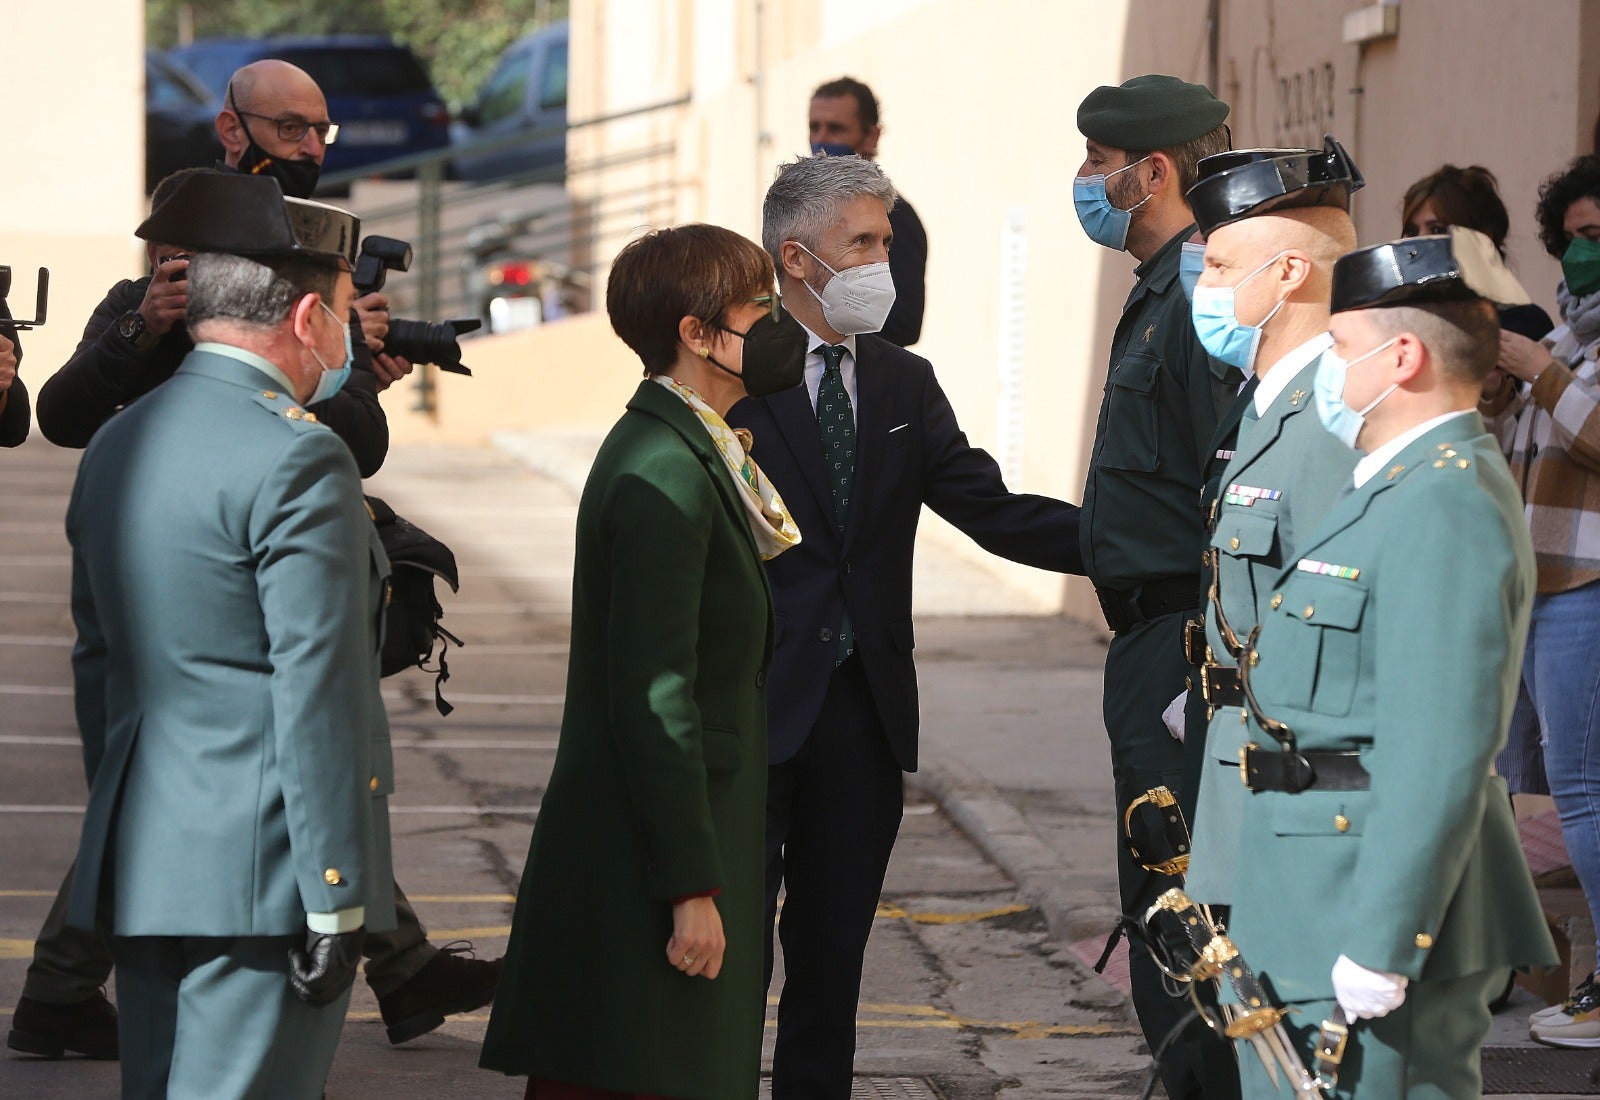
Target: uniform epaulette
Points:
(284, 407)
(1449, 458)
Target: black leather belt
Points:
(1220, 686)
(1127, 608)
(1274, 770)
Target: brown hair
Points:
(668, 274)
(1463, 336)
(866, 102)
(1468, 197)
(1186, 156)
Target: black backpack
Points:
(411, 619)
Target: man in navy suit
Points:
(856, 453)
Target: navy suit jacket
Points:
(909, 452)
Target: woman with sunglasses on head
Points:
(635, 961)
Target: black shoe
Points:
(453, 981)
(88, 1027)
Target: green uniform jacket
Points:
(1285, 451)
(659, 786)
(1163, 398)
(1399, 633)
(227, 588)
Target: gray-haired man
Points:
(857, 452)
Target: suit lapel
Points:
(874, 386)
(797, 423)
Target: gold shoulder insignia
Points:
(1149, 332)
(311, 418)
(1394, 472)
(295, 412)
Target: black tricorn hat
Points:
(1457, 266)
(245, 215)
(1242, 183)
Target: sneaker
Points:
(1575, 1023)
(88, 1027)
(452, 981)
(1585, 991)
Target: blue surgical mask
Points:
(1218, 327)
(831, 149)
(1340, 419)
(331, 381)
(1105, 224)
(1190, 265)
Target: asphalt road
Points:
(966, 994)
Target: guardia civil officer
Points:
(227, 589)
(1141, 532)
(1275, 223)
(1380, 884)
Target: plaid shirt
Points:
(1551, 434)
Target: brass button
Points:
(1462, 463)
(1277, 600)
(1439, 464)
(332, 876)
(295, 413)
(1255, 658)
(1424, 940)
(1233, 543)
(269, 395)
(373, 785)
(1341, 823)
(1309, 609)
(311, 418)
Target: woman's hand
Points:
(1521, 357)
(697, 942)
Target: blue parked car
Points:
(377, 90)
(527, 95)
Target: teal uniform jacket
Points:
(659, 785)
(1300, 470)
(1397, 630)
(1164, 397)
(227, 588)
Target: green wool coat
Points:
(659, 786)
(1397, 630)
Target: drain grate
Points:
(879, 1088)
(1540, 1070)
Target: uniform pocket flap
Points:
(1321, 813)
(721, 749)
(1137, 370)
(1325, 601)
(1246, 534)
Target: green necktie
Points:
(837, 425)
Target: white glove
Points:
(1172, 717)
(1366, 994)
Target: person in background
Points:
(1550, 430)
(843, 120)
(634, 966)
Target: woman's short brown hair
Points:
(1468, 197)
(666, 275)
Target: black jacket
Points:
(909, 452)
(107, 372)
(15, 417)
(908, 266)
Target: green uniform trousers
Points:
(1427, 1049)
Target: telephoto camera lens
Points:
(429, 342)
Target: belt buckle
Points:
(1195, 650)
(1244, 763)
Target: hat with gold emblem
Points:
(244, 215)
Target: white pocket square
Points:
(905, 425)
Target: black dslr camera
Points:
(40, 302)
(419, 341)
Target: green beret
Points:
(1150, 112)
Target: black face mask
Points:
(774, 355)
(297, 178)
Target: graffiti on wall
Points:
(1304, 107)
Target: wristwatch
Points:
(131, 327)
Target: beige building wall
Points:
(72, 86)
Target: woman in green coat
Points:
(635, 961)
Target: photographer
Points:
(14, 410)
(136, 339)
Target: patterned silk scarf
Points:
(770, 522)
